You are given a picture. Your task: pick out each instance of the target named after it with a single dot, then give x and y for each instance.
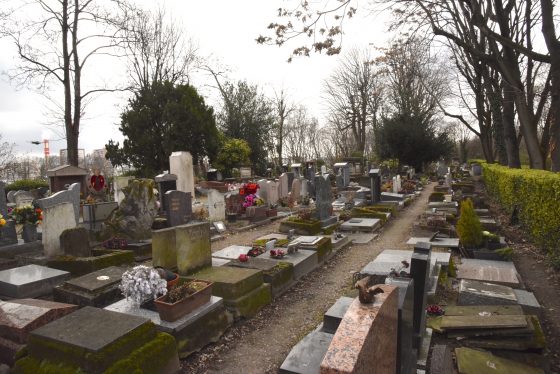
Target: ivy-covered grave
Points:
(93, 340)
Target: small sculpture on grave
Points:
(292, 248)
(367, 291)
(97, 186)
(400, 272)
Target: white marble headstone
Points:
(181, 164)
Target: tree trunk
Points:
(71, 142)
(508, 121)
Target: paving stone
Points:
(473, 361)
(480, 293)
(306, 356)
(231, 252)
(499, 272)
(30, 281)
(335, 313)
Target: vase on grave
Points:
(29, 232)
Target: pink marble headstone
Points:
(366, 339)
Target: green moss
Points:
(506, 253)
(30, 365)
(451, 271)
(369, 213)
(84, 265)
(330, 229)
(311, 227)
(250, 304)
(539, 338)
(148, 359)
(279, 242)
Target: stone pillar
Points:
(181, 164)
(420, 272)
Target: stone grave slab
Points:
(340, 242)
(231, 252)
(193, 247)
(335, 313)
(304, 261)
(21, 316)
(30, 281)
(480, 293)
(441, 360)
(488, 224)
(142, 249)
(322, 245)
(474, 361)
(219, 261)
(528, 302)
(361, 224)
(366, 337)
(436, 243)
(473, 310)
(482, 321)
(499, 272)
(276, 236)
(389, 196)
(356, 238)
(193, 331)
(87, 339)
(98, 289)
(306, 356)
(280, 275)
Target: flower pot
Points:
(172, 312)
(29, 233)
(173, 281)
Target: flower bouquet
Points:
(277, 253)
(142, 283)
(27, 215)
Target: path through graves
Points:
(260, 344)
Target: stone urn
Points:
(29, 233)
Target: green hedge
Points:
(26, 184)
(536, 193)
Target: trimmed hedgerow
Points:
(536, 196)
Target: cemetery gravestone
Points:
(272, 192)
(75, 242)
(23, 198)
(193, 247)
(181, 164)
(323, 170)
(10, 196)
(323, 201)
(290, 180)
(263, 191)
(395, 186)
(283, 186)
(420, 272)
(3, 202)
(296, 190)
(56, 219)
(178, 207)
(304, 188)
(216, 206)
(165, 182)
(72, 196)
(118, 184)
(342, 170)
(375, 177)
(296, 169)
(245, 172)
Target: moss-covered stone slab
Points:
(304, 261)
(474, 310)
(472, 361)
(250, 304)
(164, 249)
(301, 227)
(96, 341)
(98, 289)
(194, 250)
(323, 246)
(193, 331)
(279, 274)
(230, 282)
(102, 258)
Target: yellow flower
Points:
(2, 221)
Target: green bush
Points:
(469, 228)
(535, 194)
(26, 185)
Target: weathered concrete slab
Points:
(528, 302)
(231, 252)
(304, 261)
(436, 243)
(30, 281)
(499, 272)
(481, 293)
(361, 224)
(473, 361)
(482, 321)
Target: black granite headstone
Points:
(8, 235)
(375, 176)
(406, 354)
(165, 182)
(178, 207)
(420, 272)
(3, 202)
(291, 177)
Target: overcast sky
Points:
(226, 31)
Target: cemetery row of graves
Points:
(132, 285)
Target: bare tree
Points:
(156, 47)
(353, 94)
(6, 157)
(301, 135)
(55, 41)
(284, 109)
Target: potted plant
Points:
(170, 277)
(142, 284)
(29, 217)
(183, 298)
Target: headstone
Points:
(420, 272)
(71, 196)
(342, 169)
(23, 198)
(263, 190)
(118, 184)
(406, 355)
(304, 188)
(366, 337)
(181, 164)
(10, 196)
(310, 173)
(283, 186)
(8, 234)
(395, 186)
(323, 201)
(296, 190)
(94, 215)
(165, 182)
(3, 202)
(399, 183)
(272, 192)
(193, 247)
(75, 242)
(56, 219)
(375, 177)
(30, 281)
(178, 207)
(216, 206)
(323, 169)
(297, 170)
(290, 180)
(245, 172)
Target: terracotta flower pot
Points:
(173, 281)
(173, 311)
